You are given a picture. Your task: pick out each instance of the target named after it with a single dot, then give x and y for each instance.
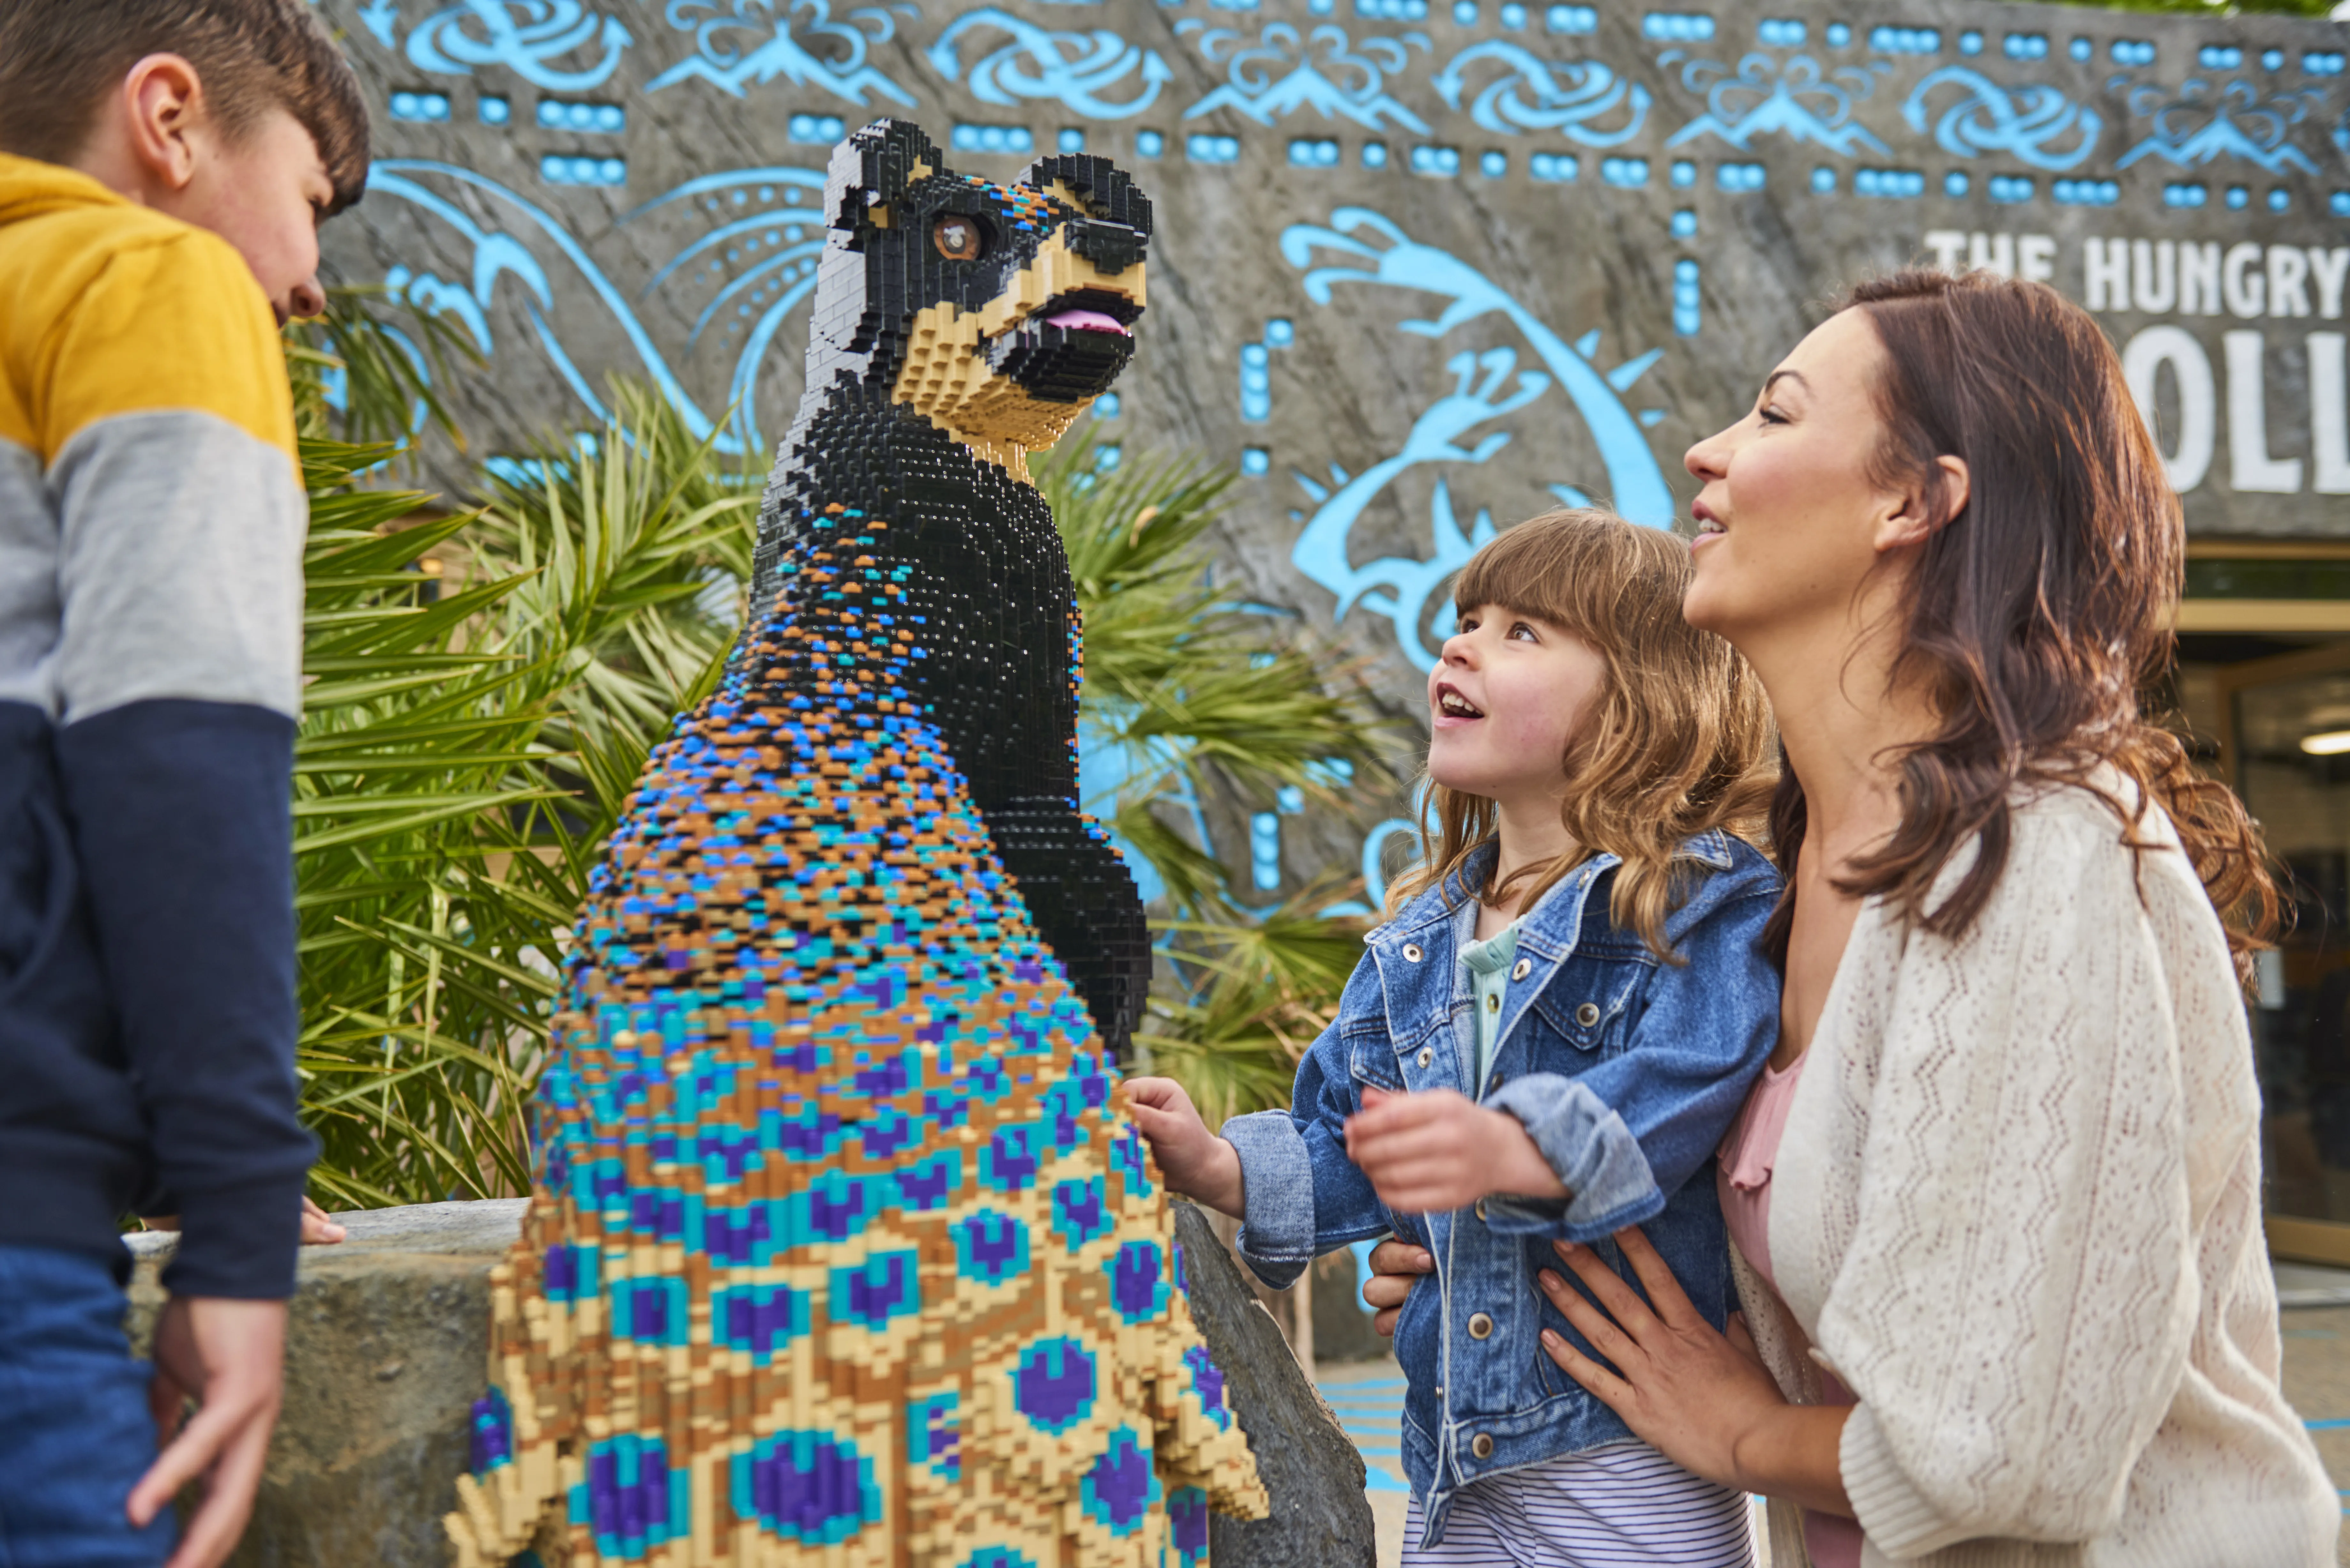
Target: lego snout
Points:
(1021, 368)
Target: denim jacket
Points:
(1626, 1070)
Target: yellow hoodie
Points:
(108, 307)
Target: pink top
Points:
(1743, 1181)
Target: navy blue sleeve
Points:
(181, 817)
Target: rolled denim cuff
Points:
(1277, 1239)
(1606, 1176)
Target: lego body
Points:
(842, 1246)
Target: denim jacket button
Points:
(1480, 1214)
(1481, 1326)
(1411, 952)
(1588, 1014)
(1523, 968)
(1481, 1445)
(1427, 1055)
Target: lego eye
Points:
(958, 238)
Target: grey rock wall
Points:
(388, 1337)
(1311, 1471)
(1423, 267)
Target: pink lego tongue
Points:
(1086, 321)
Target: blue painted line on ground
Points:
(2334, 1425)
(1370, 1412)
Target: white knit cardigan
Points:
(2017, 1210)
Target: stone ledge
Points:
(388, 1335)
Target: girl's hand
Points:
(1195, 1161)
(1700, 1398)
(1438, 1151)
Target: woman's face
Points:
(1789, 522)
(1505, 700)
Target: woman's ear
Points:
(1925, 508)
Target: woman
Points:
(1998, 1197)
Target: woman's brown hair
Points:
(2039, 609)
(1677, 740)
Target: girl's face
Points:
(1789, 522)
(1503, 703)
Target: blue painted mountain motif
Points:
(1763, 97)
(526, 37)
(1486, 387)
(1072, 69)
(1535, 95)
(742, 278)
(382, 18)
(1283, 72)
(2236, 121)
(783, 47)
(1989, 118)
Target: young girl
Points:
(1545, 1041)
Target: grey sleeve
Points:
(179, 566)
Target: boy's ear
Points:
(163, 98)
(870, 172)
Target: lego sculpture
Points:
(841, 1247)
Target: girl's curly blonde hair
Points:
(1678, 741)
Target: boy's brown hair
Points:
(1678, 740)
(59, 58)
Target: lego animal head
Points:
(997, 311)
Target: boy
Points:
(164, 167)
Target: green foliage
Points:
(470, 738)
(461, 758)
(1197, 700)
(379, 358)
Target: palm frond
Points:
(1201, 697)
(372, 367)
(444, 836)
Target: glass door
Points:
(2285, 742)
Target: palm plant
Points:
(470, 738)
(1187, 698)
(462, 754)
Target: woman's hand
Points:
(1700, 1398)
(1195, 1161)
(1396, 1267)
(1437, 1150)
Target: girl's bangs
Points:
(1568, 567)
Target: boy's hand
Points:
(230, 1356)
(1195, 1161)
(318, 1229)
(1438, 1151)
